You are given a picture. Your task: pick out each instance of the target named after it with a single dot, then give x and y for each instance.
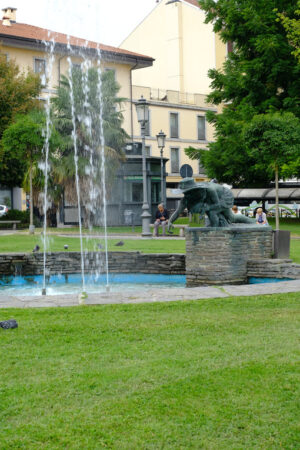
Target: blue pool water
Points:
(257, 280)
(70, 284)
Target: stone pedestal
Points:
(219, 255)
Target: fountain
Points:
(94, 140)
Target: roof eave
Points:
(137, 61)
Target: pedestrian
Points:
(161, 218)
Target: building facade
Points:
(176, 85)
(50, 54)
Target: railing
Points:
(170, 96)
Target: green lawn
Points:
(212, 374)
(292, 225)
(26, 243)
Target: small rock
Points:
(6, 324)
(119, 244)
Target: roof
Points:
(38, 35)
(193, 2)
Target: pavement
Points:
(150, 295)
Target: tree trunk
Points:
(31, 226)
(276, 199)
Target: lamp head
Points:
(161, 139)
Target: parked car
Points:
(3, 210)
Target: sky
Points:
(104, 21)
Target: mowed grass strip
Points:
(215, 374)
(26, 243)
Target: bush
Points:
(15, 214)
(23, 216)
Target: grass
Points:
(295, 251)
(213, 374)
(26, 243)
(292, 225)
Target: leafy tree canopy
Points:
(23, 142)
(273, 140)
(18, 94)
(260, 76)
(292, 28)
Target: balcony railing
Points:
(170, 96)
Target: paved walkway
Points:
(120, 236)
(151, 295)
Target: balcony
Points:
(169, 96)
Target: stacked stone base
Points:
(216, 256)
(70, 262)
(273, 268)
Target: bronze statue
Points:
(211, 199)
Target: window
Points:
(40, 67)
(174, 160)
(174, 133)
(201, 169)
(133, 192)
(147, 150)
(155, 192)
(229, 46)
(201, 128)
(76, 66)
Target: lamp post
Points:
(142, 111)
(161, 145)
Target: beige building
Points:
(31, 48)
(176, 85)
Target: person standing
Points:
(161, 218)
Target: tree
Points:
(292, 28)
(260, 76)
(273, 141)
(24, 140)
(18, 95)
(88, 111)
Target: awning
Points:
(291, 194)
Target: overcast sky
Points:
(105, 21)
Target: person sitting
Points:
(261, 218)
(161, 218)
(235, 210)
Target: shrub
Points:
(23, 216)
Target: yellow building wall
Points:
(60, 65)
(182, 45)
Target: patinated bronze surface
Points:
(211, 199)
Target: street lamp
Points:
(161, 137)
(142, 111)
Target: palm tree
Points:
(88, 111)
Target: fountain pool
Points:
(71, 283)
(119, 282)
